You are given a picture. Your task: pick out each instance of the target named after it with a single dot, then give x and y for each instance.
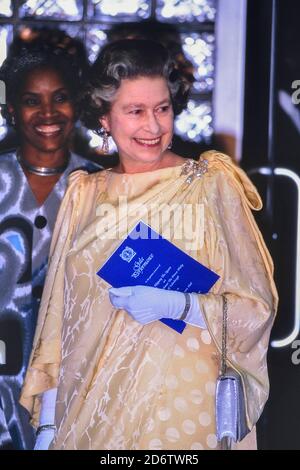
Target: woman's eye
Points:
(135, 112)
(164, 109)
(30, 101)
(62, 98)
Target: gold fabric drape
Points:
(127, 386)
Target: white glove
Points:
(147, 304)
(44, 439)
(46, 429)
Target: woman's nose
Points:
(153, 124)
(47, 108)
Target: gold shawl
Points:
(127, 386)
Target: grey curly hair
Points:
(125, 59)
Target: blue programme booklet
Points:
(145, 258)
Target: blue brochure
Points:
(145, 258)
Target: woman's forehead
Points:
(42, 77)
(143, 89)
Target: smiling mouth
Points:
(48, 129)
(148, 142)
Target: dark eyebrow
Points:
(63, 88)
(29, 93)
(37, 94)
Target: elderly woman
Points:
(123, 379)
(42, 79)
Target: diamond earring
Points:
(105, 143)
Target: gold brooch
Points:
(194, 169)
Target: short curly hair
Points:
(128, 59)
(45, 48)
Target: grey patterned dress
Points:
(25, 234)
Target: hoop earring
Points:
(105, 143)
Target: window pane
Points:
(195, 122)
(73, 30)
(54, 9)
(93, 37)
(186, 10)
(199, 49)
(117, 10)
(5, 39)
(5, 8)
(94, 41)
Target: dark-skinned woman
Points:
(42, 78)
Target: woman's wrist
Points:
(45, 427)
(195, 315)
(187, 306)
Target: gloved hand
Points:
(44, 439)
(46, 429)
(147, 304)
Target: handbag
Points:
(231, 422)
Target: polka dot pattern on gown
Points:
(172, 435)
(205, 336)
(187, 374)
(184, 414)
(188, 426)
(204, 419)
(212, 441)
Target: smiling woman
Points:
(133, 96)
(45, 115)
(43, 77)
(42, 81)
(141, 123)
(112, 375)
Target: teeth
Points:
(48, 129)
(149, 142)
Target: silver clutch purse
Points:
(231, 422)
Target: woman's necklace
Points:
(41, 170)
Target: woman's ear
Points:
(10, 108)
(12, 116)
(104, 122)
